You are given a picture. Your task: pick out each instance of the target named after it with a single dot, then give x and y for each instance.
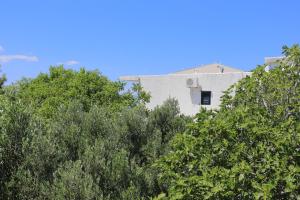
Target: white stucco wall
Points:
(162, 87)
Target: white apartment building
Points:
(194, 88)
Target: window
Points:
(205, 97)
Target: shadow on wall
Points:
(195, 95)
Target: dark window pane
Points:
(205, 97)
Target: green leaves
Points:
(72, 135)
(249, 148)
(2, 81)
(72, 182)
(48, 92)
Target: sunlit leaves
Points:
(249, 149)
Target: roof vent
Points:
(221, 68)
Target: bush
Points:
(249, 149)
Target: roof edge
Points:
(138, 77)
(204, 65)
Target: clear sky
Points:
(129, 37)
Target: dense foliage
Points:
(2, 81)
(76, 135)
(249, 149)
(61, 86)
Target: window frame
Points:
(207, 94)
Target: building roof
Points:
(273, 60)
(214, 68)
(210, 68)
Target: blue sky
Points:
(127, 37)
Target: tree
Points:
(79, 154)
(168, 120)
(47, 92)
(249, 149)
(2, 80)
(71, 182)
(14, 127)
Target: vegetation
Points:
(2, 81)
(249, 149)
(47, 92)
(76, 135)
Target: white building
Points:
(193, 88)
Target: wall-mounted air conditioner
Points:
(192, 83)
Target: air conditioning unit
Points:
(192, 83)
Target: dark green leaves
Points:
(249, 149)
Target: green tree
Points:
(2, 81)
(111, 152)
(14, 127)
(49, 91)
(77, 135)
(168, 120)
(72, 182)
(249, 149)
